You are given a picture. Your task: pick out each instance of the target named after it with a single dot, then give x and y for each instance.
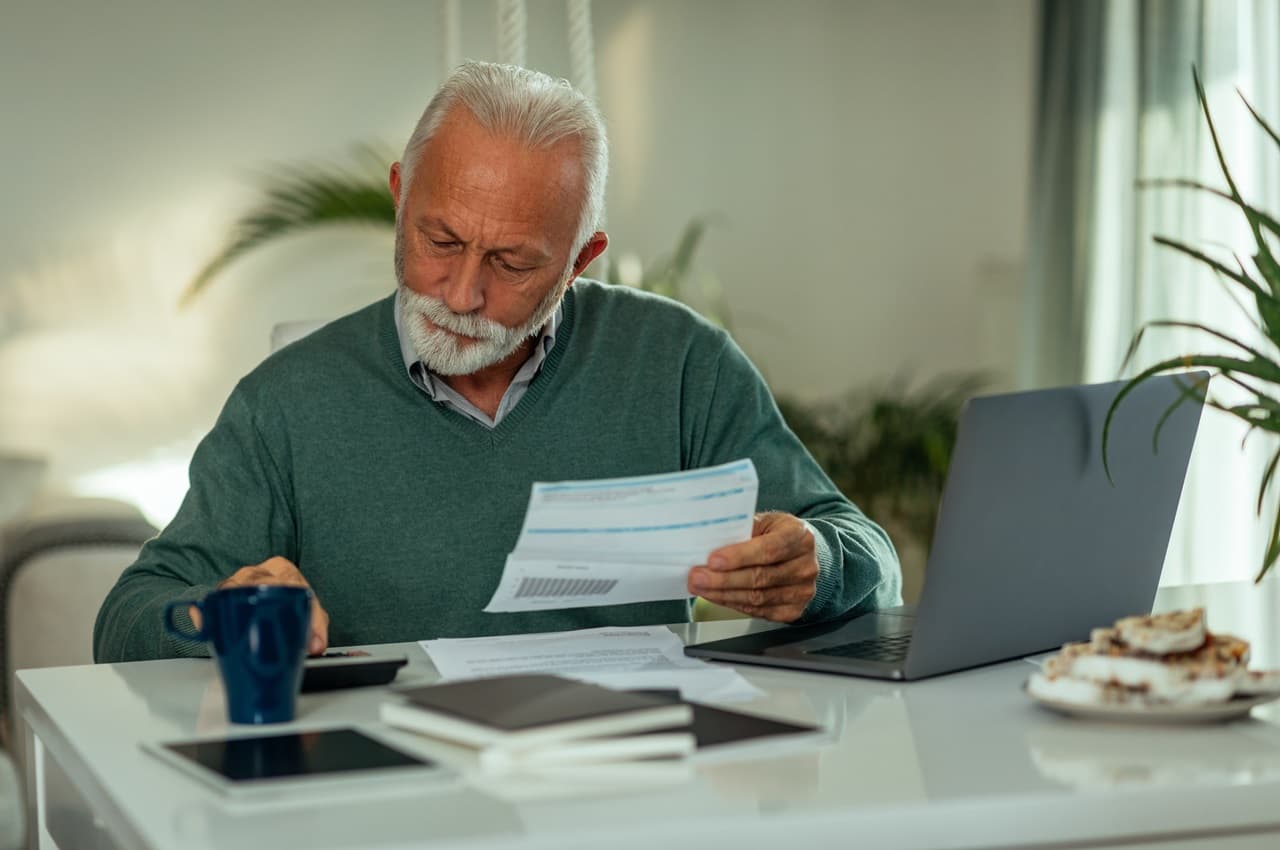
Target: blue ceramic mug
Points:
(259, 637)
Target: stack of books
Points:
(540, 720)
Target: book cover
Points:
(530, 710)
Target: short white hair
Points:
(530, 107)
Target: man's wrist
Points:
(824, 585)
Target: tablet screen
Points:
(293, 755)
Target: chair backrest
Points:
(20, 477)
(56, 567)
(287, 332)
(12, 813)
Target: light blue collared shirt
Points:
(441, 393)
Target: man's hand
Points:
(279, 571)
(773, 575)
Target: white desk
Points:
(960, 761)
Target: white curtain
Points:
(1129, 112)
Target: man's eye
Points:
(507, 267)
(442, 245)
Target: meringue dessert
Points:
(1148, 661)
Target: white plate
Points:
(1169, 713)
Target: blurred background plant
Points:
(675, 275)
(886, 446)
(300, 199)
(1248, 368)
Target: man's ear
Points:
(595, 247)
(394, 183)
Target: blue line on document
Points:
(647, 481)
(735, 491)
(658, 502)
(624, 529)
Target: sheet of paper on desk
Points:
(621, 540)
(637, 657)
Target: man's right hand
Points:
(279, 571)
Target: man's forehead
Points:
(468, 169)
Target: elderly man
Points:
(385, 460)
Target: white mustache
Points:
(435, 311)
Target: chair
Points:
(11, 811)
(20, 477)
(286, 332)
(57, 564)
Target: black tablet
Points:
(268, 766)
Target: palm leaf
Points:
(1272, 553)
(1177, 323)
(1264, 402)
(1254, 224)
(303, 199)
(1221, 363)
(1198, 393)
(671, 276)
(1231, 293)
(1243, 384)
(1262, 122)
(1263, 259)
(1266, 479)
(1239, 277)
(1183, 183)
(686, 248)
(1268, 305)
(1263, 412)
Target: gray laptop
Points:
(1033, 546)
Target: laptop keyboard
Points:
(884, 648)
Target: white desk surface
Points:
(959, 761)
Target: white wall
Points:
(867, 160)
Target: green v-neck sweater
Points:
(401, 512)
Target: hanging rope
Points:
(451, 32)
(582, 53)
(511, 32)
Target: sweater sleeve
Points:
(237, 512)
(857, 565)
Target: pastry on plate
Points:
(1166, 660)
(1161, 634)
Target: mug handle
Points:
(172, 628)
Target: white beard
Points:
(490, 342)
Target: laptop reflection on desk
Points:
(1033, 545)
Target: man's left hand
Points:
(773, 575)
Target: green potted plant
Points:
(888, 446)
(1251, 369)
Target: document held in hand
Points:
(620, 540)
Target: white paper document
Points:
(621, 540)
(637, 657)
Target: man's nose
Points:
(464, 290)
